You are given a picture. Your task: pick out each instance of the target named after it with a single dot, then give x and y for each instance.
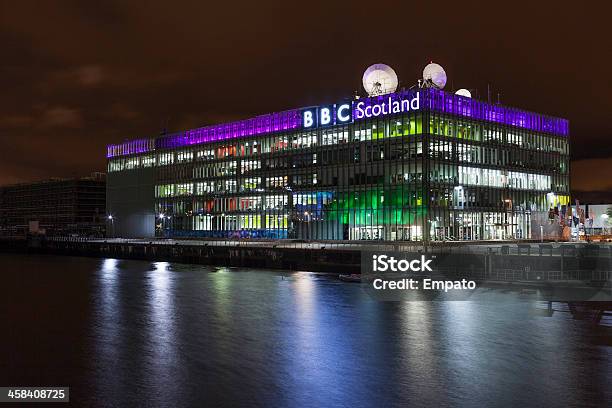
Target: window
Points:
(276, 202)
(166, 158)
(250, 203)
(184, 189)
(148, 161)
(207, 154)
(250, 184)
(276, 182)
(184, 157)
(249, 165)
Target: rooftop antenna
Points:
(464, 92)
(499, 98)
(434, 76)
(379, 79)
(488, 93)
(164, 131)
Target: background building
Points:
(54, 207)
(434, 166)
(589, 221)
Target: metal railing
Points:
(495, 248)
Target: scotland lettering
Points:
(390, 106)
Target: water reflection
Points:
(161, 305)
(162, 358)
(219, 336)
(222, 281)
(108, 285)
(417, 343)
(106, 324)
(161, 326)
(305, 314)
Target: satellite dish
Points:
(434, 75)
(379, 79)
(464, 92)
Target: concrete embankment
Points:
(261, 256)
(484, 261)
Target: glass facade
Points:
(426, 174)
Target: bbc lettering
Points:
(321, 116)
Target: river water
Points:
(134, 333)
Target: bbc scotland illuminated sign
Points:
(347, 112)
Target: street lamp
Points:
(307, 219)
(112, 219)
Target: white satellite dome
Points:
(379, 79)
(463, 92)
(434, 74)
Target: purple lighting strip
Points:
(130, 147)
(441, 101)
(430, 100)
(273, 122)
(444, 102)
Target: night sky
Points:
(78, 75)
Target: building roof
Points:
(96, 176)
(430, 100)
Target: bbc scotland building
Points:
(414, 165)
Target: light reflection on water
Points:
(163, 334)
(268, 338)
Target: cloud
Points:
(592, 175)
(16, 121)
(61, 116)
(53, 117)
(75, 78)
(119, 110)
(66, 66)
(90, 75)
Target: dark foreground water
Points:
(131, 333)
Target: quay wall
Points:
(531, 262)
(296, 259)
